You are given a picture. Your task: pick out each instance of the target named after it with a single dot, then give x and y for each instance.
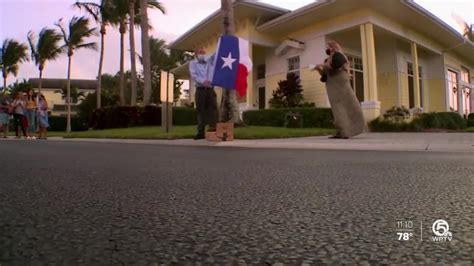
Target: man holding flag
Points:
(228, 68)
(201, 70)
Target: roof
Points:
(82, 84)
(213, 23)
(406, 12)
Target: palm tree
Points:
(73, 40)
(121, 14)
(18, 86)
(12, 53)
(144, 4)
(45, 49)
(118, 18)
(229, 107)
(133, 64)
(102, 16)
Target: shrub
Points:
(152, 115)
(58, 123)
(133, 116)
(288, 93)
(382, 125)
(184, 116)
(396, 114)
(470, 120)
(442, 120)
(293, 120)
(89, 104)
(312, 117)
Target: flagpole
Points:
(229, 107)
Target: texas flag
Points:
(232, 64)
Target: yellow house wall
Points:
(437, 95)
(52, 97)
(404, 95)
(452, 60)
(313, 89)
(387, 85)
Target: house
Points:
(400, 54)
(51, 87)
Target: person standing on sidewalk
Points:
(348, 117)
(19, 106)
(5, 105)
(201, 70)
(31, 113)
(43, 122)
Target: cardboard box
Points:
(225, 131)
(212, 136)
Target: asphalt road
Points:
(97, 203)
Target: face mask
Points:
(201, 58)
(328, 51)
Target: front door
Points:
(261, 98)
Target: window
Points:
(465, 75)
(411, 85)
(356, 70)
(466, 90)
(294, 65)
(261, 69)
(453, 90)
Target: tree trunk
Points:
(122, 54)
(145, 52)
(101, 63)
(40, 85)
(229, 106)
(133, 100)
(4, 82)
(68, 96)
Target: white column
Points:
(371, 104)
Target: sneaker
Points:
(33, 137)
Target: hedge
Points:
(58, 123)
(470, 120)
(133, 116)
(312, 117)
(441, 120)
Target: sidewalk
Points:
(430, 142)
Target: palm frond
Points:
(64, 34)
(48, 45)
(13, 53)
(91, 45)
(31, 41)
(92, 9)
(157, 5)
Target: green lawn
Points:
(470, 129)
(183, 132)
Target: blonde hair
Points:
(336, 47)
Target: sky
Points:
(17, 17)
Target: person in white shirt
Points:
(201, 70)
(19, 105)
